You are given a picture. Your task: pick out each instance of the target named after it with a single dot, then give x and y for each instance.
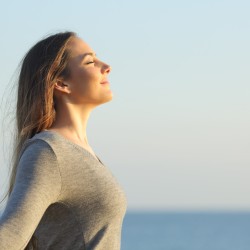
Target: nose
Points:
(106, 68)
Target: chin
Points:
(110, 98)
(105, 100)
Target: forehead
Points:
(79, 47)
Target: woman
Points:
(61, 195)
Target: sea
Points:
(186, 231)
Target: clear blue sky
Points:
(177, 133)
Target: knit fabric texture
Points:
(63, 198)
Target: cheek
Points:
(86, 75)
(92, 74)
(85, 82)
(78, 74)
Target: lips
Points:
(105, 82)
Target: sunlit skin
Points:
(75, 97)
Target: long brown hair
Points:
(41, 67)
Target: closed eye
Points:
(89, 62)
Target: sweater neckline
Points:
(74, 144)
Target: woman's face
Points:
(88, 82)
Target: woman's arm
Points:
(37, 185)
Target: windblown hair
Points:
(41, 67)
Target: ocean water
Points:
(186, 231)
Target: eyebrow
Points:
(88, 54)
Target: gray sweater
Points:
(63, 198)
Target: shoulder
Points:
(39, 148)
(40, 143)
(37, 158)
(36, 146)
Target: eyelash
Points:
(90, 62)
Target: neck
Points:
(71, 121)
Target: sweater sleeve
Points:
(37, 185)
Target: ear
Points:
(62, 86)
